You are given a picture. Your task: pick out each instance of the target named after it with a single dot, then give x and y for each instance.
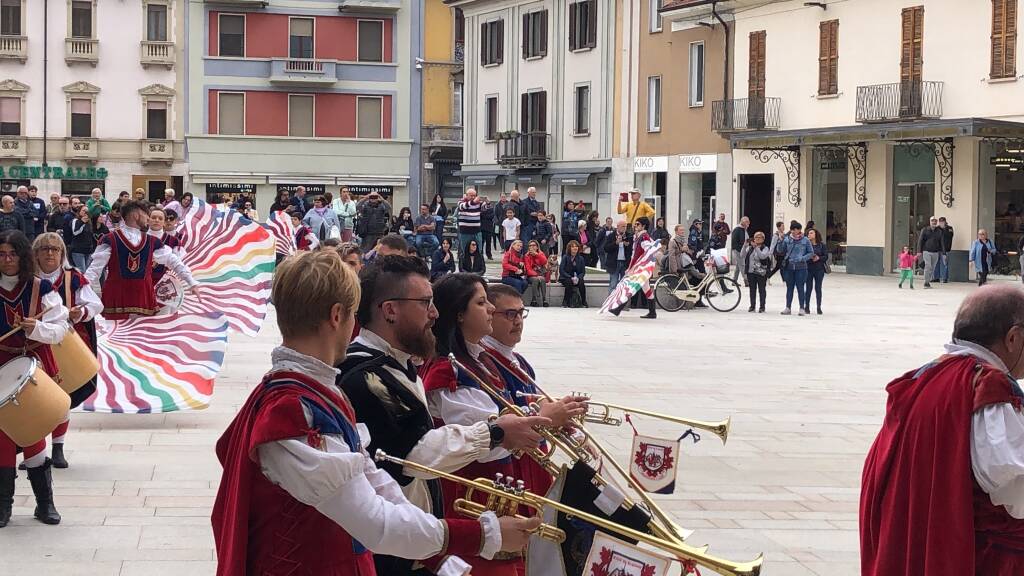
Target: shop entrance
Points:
(913, 198)
(756, 193)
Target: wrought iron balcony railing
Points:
(906, 100)
(523, 150)
(746, 114)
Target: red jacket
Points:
(535, 263)
(512, 264)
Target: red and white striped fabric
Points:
(279, 224)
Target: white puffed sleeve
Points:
(449, 448)
(466, 406)
(53, 325)
(164, 255)
(86, 298)
(100, 259)
(997, 455)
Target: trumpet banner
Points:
(613, 557)
(575, 487)
(655, 463)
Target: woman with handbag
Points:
(321, 220)
(571, 274)
(755, 263)
(536, 268)
(513, 266)
(817, 267)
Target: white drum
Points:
(31, 403)
(170, 293)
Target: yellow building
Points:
(443, 42)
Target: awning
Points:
(526, 178)
(226, 178)
(571, 179)
(921, 130)
(481, 180)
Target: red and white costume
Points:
(305, 239)
(128, 256)
(943, 485)
(171, 241)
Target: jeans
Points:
(518, 283)
(943, 269)
(465, 238)
(735, 265)
(526, 234)
(616, 271)
(930, 261)
(535, 286)
(814, 279)
(795, 279)
(490, 240)
(81, 261)
(429, 240)
(757, 282)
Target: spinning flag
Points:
(637, 278)
(232, 258)
(280, 227)
(158, 364)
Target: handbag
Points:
(828, 267)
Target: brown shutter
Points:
(828, 58)
(543, 33)
(542, 111)
(1004, 39)
(823, 46)
(1011, 38)
(755, 78)
(834, 58)
(911, 51)
(573, 13)
(524, 114)
(484, 41)
(526, 36)
(501, 41)
(591, 23)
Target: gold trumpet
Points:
(501, 505)
(501, 495)
(603, 416)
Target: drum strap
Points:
(35, 296)
(67, 288)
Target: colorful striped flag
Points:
(158, 364)
(637, 278)
(279, 224)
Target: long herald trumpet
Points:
(665, 527)
(506, 497)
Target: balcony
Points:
(442, 136)
(157, 151)
(519, 150)
(156, 53)
(900, 101)
(80, 148)
(13, 147)
(14, 48)
(82, 50)
(303, 72)
(746, 115)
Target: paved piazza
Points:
(805, 394)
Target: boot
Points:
(650, 311)
(58, 456)
(42, 486)
(6, 494)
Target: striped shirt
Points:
(469, 216)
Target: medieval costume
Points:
(300, 495)
(943, 485)
(169, 240)
(26, 299)
(388, 397)
(305, 239)
(128, 256)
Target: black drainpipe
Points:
(725, 76)
(46, 47)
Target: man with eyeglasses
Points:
(55, 222)
(379, 377)
(929, 245)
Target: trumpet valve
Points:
(520, 487)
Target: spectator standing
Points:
(756, 261)
(282, 204)
(509, 228)
(555, 234)
(299, 203)
(10, 219)
(586, 241)
(54, 199)
(345, 209)
(982, 251)
(516, 203)
(246, 210)
(97, 204)
(544, 233)
(817, 266)
(719, 233)
(472, 260)
(374, 216)
(618, 249)
(660, 232)
(186, 203)
(139, 194)
(443, 261)
(82, 243)
(38, 210)
(777, 238)
(906, 267)
(571, 275)
(634, 208)
(513, 266)
(570, 223)
(469, 218)
(425, 240)
(929, 245)
(499, 213)
(739, 238)
(1020, 256)
(531, 211)
(947, 246)
(593, 229)
(606, 229)
(321, 220)
(170, 201)
(439, 210)
(797, 252)
(695, 239)
(536, 272)
(55, 221)
(23, 205)
(487, 225)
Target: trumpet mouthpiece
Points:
(380, 455)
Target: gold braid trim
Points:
(130, 310)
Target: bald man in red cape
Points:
(943, 486)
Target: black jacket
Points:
(739, 238)
(438, 267)
(569, 266)
(612, 249)
(473, 263)
(947, 238)
(84, 242)
(930, 240)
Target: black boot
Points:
(6, 494)
(58, 456)
(42, 487)
(650, 311)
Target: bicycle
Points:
(673, 291)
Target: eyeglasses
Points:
(8, 255)
(48, 249)
(513, 313)
(427, 302)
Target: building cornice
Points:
(12, 85)
(156, 90)
(81, 87)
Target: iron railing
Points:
(906, 100)
(745, 114)
(522, 150)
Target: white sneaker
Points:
(787, 312)
(801, 313)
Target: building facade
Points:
(864, 117)
(320, 94)
(540, 93)
(444, 44)
(103, 109)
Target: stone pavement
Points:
(805, 394)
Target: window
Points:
(535, 34)
(10, 17)
(491, 121)
(81, 19)
(156, 22)
(828, 58)
(300, 38)
(232, 35)
(300, 115)
(583, 25)
(1004, 38)
(81, 118)
(654, 104)
(457, 88)
(156, 119)
(492, 42)
(10, 116)
(535, 112)
(581, 124)
(696, 74)
(369, 117)
(231, 113)
(655, 6)
(371, 41)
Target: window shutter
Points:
(823, 46)
(828, 58)
(543, 31)
(526, 36)
(592, 23)
(911, 57)
(755, 76)
(542, 112)
(524, 115)
(1004, 39)
(484, 41)
(501, 41)
(833, 66)
(1010, 47)
(573, 13)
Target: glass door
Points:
(912, 207)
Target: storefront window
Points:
(1009, 219)
(829, 191)
(80, 188)
(913, 197)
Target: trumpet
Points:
(603, 416)
(502, 495)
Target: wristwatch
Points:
(497, 435)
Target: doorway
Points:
(911, 211)
(156, 190)
(756, 202)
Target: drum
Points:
(76, 364)
(170, 293)
(31, 403)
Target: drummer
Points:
(83, 306)
(25, 297)
(158, 230)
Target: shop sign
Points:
(362, 190)
(311, 189)
(225, 188)
(650, 164)
(698, 163)
(54, 172)
(1007, 161)
(833, 165)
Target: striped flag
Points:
(637, 278)
(158, 364)
(279, 224)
